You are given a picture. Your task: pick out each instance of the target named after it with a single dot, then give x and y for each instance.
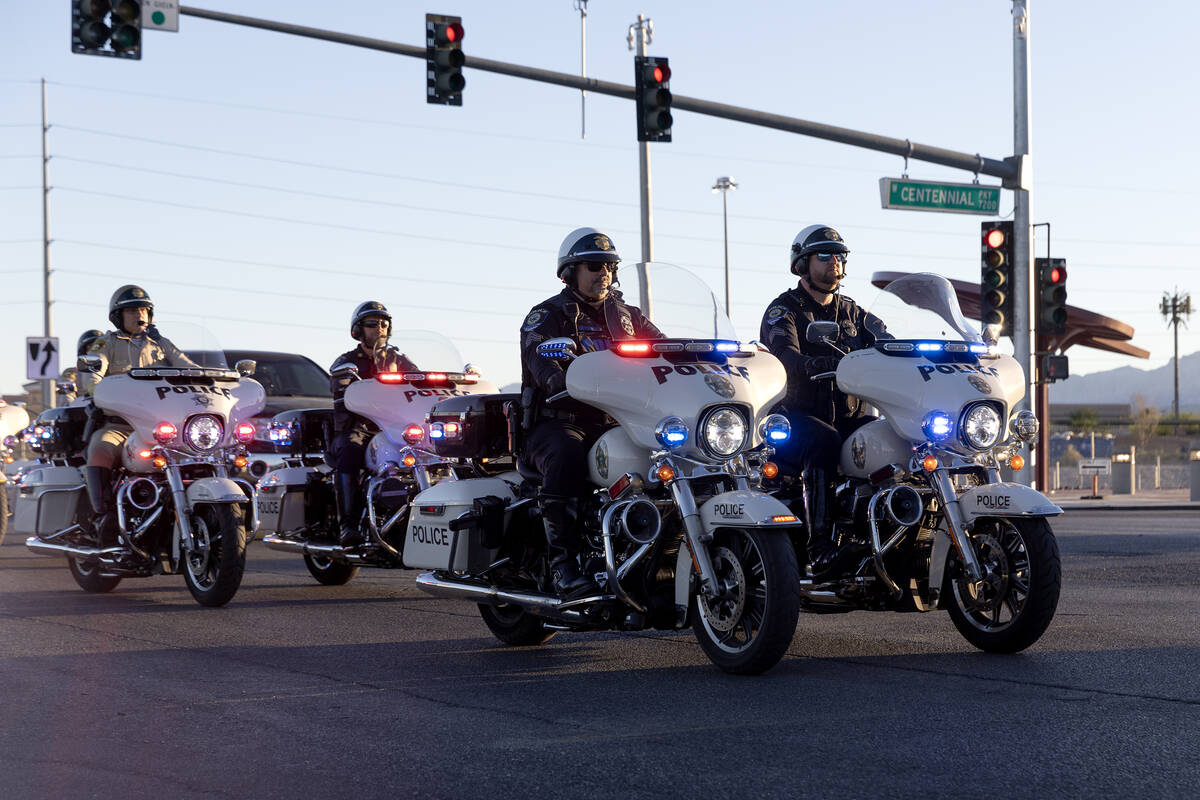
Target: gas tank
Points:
(395, 406)
(640, 391)
(907, 386)
(614, 454)
(873, 446)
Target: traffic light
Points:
(107, 28)
(652, 79)
(1052, 295)
(444, 60)
(996, 252)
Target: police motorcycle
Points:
(920, 490)
(13, 421)
(178, 508)
(677, 530)
(297, 503)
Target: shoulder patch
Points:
(534, 319)
(774, 313)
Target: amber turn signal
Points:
(240, 462)
(410, 461)
(930, 463)
(1017, 462)
(665, 473)
(770, 469)
(160, 461)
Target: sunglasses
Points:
(593, 266)
(825, 258)
(376, 323)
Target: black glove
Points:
(556, 383)
(821, 364)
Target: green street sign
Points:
(957, 198)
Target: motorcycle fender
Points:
(745, 509)
(215, 490)
(1005, 500)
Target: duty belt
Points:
(576, 417)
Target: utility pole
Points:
(723, 185)
(48, 327)
(641, 33)
(1024, 325)
(1176, 308)
(581, 7)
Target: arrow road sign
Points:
(41, 357)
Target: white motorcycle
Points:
(178, 510)
(921, 489)
(297, 503)
(677, 531)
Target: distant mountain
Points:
(1122, 384)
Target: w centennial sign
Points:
(958, 198)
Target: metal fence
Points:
(1149, 476)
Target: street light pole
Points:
(723, 185)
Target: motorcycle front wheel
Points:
(329, 572)
(214, 565)
(1013, 605)
(747, 628)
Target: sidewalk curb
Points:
(1076, 505)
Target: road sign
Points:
(41, 358)
(160, 15)
(958, 198)
(1095, 466)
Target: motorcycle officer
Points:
(68, 381)
(371, 327)
(590, 311)
(822, 416)
(134, 342)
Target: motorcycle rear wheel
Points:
(213, 569)
(514, 626)
(3, 511)
(1023, 578)
(748, 630)
(89, 578)
(329, 572)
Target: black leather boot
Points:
(826, 558)
(349, 509)
(561, 538)
(99, 488)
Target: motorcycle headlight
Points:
(1025, 426)
(776, 429)
(671, 432)
(724, 432)
(203, 432)
(980, 426)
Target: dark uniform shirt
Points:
(784, 326)
(385, 359)
(592, 327)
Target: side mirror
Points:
(991, 334)
(345, 370)
(246, 367)
(66, 387)
(562, 347)
(90, 363)
(821, 330)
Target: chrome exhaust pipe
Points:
(478, 592)
(44, 548)
(333, 551)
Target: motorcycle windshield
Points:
(679, 302)
(197, 342)
(427, 350)
(923, 306)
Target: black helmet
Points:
(371, 308)
(85, 339)
(128, 296)
(585, 244)
(814, 239)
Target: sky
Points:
(263, 185)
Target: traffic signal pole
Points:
(1024, 324)
(640, 32)
(48, 326)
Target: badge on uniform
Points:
(774, 313)
(627, 324)
(535, 317)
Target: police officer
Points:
(821, 414)
(371, 326)
(135, 342)
(68, 381)
(590, 311)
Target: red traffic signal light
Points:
(994, 238)
(996, 302)
(652, 77)
(444, 60)
(1052, 295)
(449, 33)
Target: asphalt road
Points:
(374, 690)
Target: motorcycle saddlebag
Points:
(470, 426)
(309, 429)
(281, 499)
(457, 525)
(66, 426)
(47, 500)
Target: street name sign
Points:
(956, 198)
(41, 358)
(160, 15)
(1095, 466)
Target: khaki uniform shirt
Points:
(119, 352)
